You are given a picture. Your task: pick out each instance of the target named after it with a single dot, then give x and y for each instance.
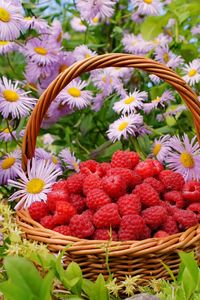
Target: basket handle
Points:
(103, 61)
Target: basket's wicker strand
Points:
(103, 61)
(142, 258)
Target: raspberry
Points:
(75, 183)
(105, 234)
(63, 229)
(106, 216)
(38, 210)
(156, 184)
(88, 213)
(172, 180)
(92, 181)
(174, 198)
(114, 185)
(195, 207)
(161, 234)
(105, 167)
(154, 216)
(185, 218)
(81, 226)
(168, 207)
(55, 196)
(64, 212)
(156, 165)
(78, 202)
(124, 159)
(97, 198)
(170, 225)
(47, 222)
(131, 228)
(146, 233)
(91, 167)
(131, 177)
(191, 191)
(60, 185)
(145, 169)
(148, 196)
(129, 204)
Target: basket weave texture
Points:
(144, 257)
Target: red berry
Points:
(156, 184)
(170, 225)
(154, 216)
(60, 185)
(47, 222)
(161, 234)
(88, 213)
(75, 183)
(91, 182)
(195, 207)
(131, 177)
(185, 218)
(64, 212)
(129, 204)
(63, 229)
(191, 191)
(56, 196)
(78, 202)
(105, 234)
(105, 166)
(81, 226)
(114, 185)
(124, 159)
(172, 181)
(148, 196)
(107, 216)
(156, 165)
(38, 210)
(91, 167)
(146, 233)
(97, 198)
(131, 228)
(174, 198)
(145, 169)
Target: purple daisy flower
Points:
(137, 17)
(192, 71)
(166, 97)
(82, 52)
(9, 165)
(7, 47)
(13, 100)
(163, 55)
(98, 101)
(184, 157)
(77, 24)
(40, 25)
(148, 7)
(161, 147)
(136, 44)
(70, 160)
(196, 29)
(6, 136)
(155, 79)
(56, 33)
(161, 40)
(10, 21)
(48, 139)
(41, 154)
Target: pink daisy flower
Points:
(161, 147)
(196, 29)
(6, 47)
(82, 52)
(136, 44)
(161, 40)
(77, 24)
(148, 7)
(184, 157)
(163, 55)
(9, 165)
(10, 21)
(40, 25)
(13, 100)
(166, 97)
(192, 72)
(90, 8)
(41, 154)
(70, 160)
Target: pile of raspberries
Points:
(126, 199)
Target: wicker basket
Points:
(144, 257)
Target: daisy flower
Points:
(95, 21)
(41, 51)
(70, 160)
(9, 166)
(131, 102)
(184, 157)
(13, 100)
(74, 95)
(40, 25)
(6, 136)
(192, 72)
(166, 97)
(90, 8)
(6, 47)
(161, 40)
(163, 55)
(155, 79)
(77, 24)
(148, 7)
(10, 21)
(161, 147)
(48, 139)
(56, 33)
(34, 185)
(41, 154)
(124, 126)
(196, 29)
(135, 44)
(137, 18)
(82, 52)
(98, 101)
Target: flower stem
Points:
(137, 147)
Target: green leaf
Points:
(73, 275)
(153, 26)
(100, 291)
(45, 290)
(87, 286)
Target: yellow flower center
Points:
(4, 43)
(104, 79)
(157, 99)
(40, 50)
(87, 55)
(35, 186)
(54, 160)
(28, 18)
(129, 100)
(156, 149)
(10, 96)
(75, 166)
(166, 57)
(8, 162)
(4, 15)
(122, 126)
(148, 1)
(95, 20)
(187, 160)
(74, 92)
(63, 68)
(192, 72)
(7, 130)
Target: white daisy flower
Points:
(13, 100)
(124, 126)
(77, 24)
(192, 71)
(74, 95)
(9, 165)
(82, 52)
(131, 102)
(36, 184)
(148, 7)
